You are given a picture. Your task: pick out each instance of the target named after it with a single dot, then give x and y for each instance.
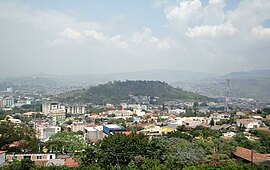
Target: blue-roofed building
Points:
(107, 129)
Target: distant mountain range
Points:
(252, 84)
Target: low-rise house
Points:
(248, 123)
(39, 159)
(257, 117)
(139, 113)
(11, 119)
(177, 111)
(228, 135)
(108, 129)
(71, 163)
(248, 155)
(166, 130)
(45, 131)
(2, 157)
(220, 116)
(191, 123)
(221, 127)
(29, 114)
(93, 134)
(239, 114)
(152, 130)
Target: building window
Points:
(39, 157)
(27, 157)
(51, 157)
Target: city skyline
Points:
(98, 36)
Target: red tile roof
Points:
(70, 163)
(1, 152)
(188, 121)
(250, 155)
(246, 121)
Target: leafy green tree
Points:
(27, 164)
(244, 142)
(178, 134)
(205, 132)
(119, 149)
(65, 142)
(23, 135)
(69, 122)
(195, 107)
(229, 165)
(212, 122)
(183, 153)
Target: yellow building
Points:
(166, 130)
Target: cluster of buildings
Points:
(147, 118)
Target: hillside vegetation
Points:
(118, 91)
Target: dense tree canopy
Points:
(120, 149)
(117, 92)
(17, 138)
(65, 142)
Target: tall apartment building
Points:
(76, 109)
(48, 106)
(8, 102)
(1, 103)
(55, 110)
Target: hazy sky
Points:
(104, 36)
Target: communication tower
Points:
(226, 108)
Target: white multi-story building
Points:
(48, 106)
(78, 126)
(57, 115)
(76, 109)
(1, 102)
(44, 132)
(8, 102)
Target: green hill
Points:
(129, 91)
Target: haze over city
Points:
(99, 36)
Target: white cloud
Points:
(94, 34)
(70, 33)
(207, 31)
(181, 15)
(260, 32)
(86, 38)
(146, 38)
(198, 37)
(249, 14)
(215, 1)
(118, 42)
(213, 13)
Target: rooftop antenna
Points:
(226, 108)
